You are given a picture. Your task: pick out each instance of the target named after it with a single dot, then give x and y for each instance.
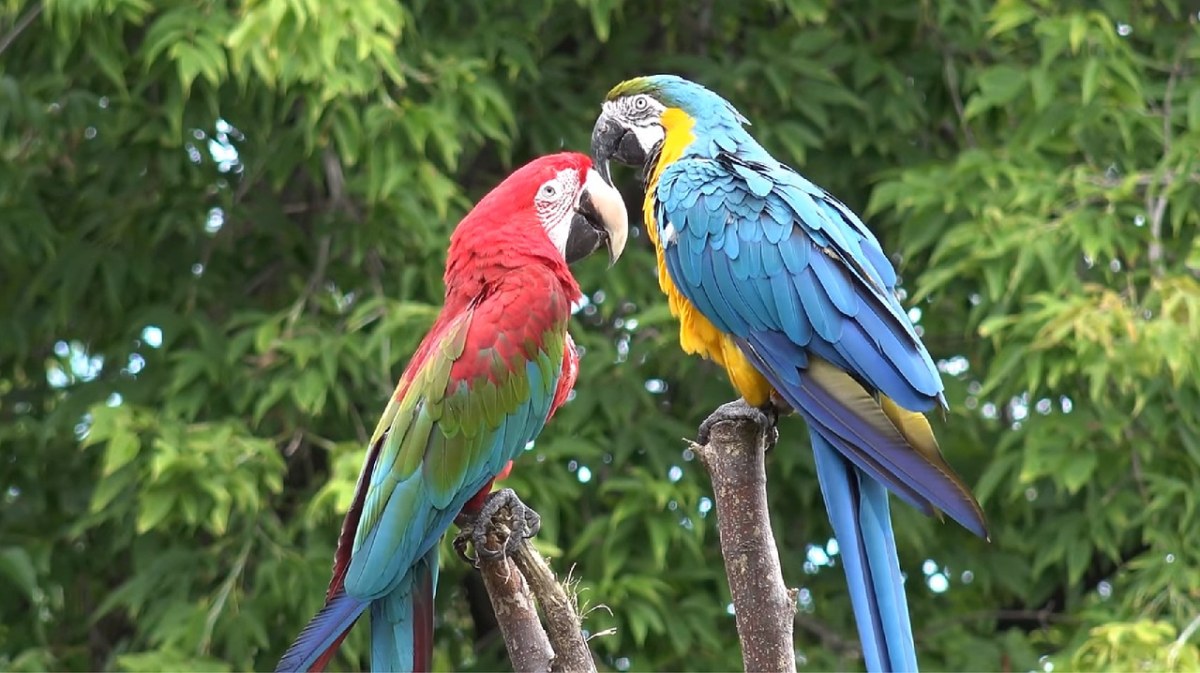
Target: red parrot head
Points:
(557, 203)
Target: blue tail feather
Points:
(889, 586)
(402, 620)
(885, 456)
(323, 632)
(858, 510)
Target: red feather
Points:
(501, 234)
(423, 624)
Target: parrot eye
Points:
(640, 103)
(548, 190)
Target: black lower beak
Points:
(587, 230)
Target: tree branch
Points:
(508, 581)
(1043, 617)
(1177, 646)
(563, 623)
(19, 26)
(764, 608)
(526, 642)
(830, 638)
(1156, 205)
(1145, 180)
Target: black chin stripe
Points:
(651, 161)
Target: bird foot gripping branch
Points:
(517, 579)
(498, 529)
(766, 417)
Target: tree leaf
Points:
(17, 566)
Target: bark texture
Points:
(764, 608)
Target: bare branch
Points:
(829, 637)
(218, 606)
(1145, 180)
(763, 607)
(950, 73)
(563, 623)
(315, 280)
(1156, 204)
(19, 26)
(1177, 646)
(516, 613)
(510, 578)
(1043, 617)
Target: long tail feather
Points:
(866, 430)
(402, 620)
(319, 640)
(858, 510)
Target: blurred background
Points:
(222, 230)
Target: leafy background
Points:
(222, 226)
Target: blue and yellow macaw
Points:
(782, 285)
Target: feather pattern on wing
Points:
(808, 284)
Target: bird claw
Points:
(467, 525)
(766, 417)
(502, 512)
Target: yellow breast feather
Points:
(697, 334)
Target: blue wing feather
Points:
(892, 461)
(834, 267)
(836, 284)
(806, 292)
(822, 315)
(338, 614)
(829, 299)
(794, 251)
(725, 316)
(733, 244)
(744, 294)
(856, 346)
(793, 322)
(772, 261)
(776, 221)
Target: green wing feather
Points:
(478, 390)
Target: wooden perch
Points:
(516, 613)
(562, 618)
(509, 579)
(764, 609)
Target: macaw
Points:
(782, 285)
(494, 366)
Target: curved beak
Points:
(600, 218)
(613, 141)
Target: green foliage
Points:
(222, 227)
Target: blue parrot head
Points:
(637, 114)
(672, 91)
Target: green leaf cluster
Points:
(222, 229)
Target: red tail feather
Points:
(423, 624)
(323, 661)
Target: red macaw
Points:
(495, 365)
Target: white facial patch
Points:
(642, 115)
(555, 204)
(649, 136)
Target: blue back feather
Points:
(792, 274)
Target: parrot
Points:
(494, 366)
(783, 286)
